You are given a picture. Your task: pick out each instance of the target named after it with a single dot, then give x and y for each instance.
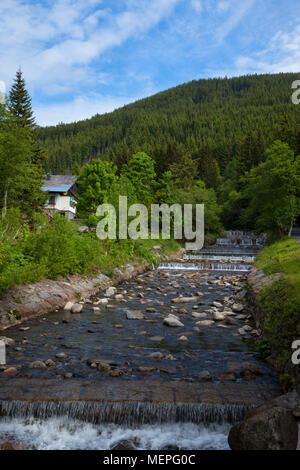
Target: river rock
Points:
(116, 372)
(205, 323)
(231, 321)
(134, 315)
(10, 371)
(49, 362)
(76, 308)
(110, 291)
(265, 428)
(172, 321)
(103, 367)
(183, 311)
(7, 341)
(12, 445)
(238, 307)
(124, 445)
(101, 302)
(156, 355)
(182, 300)
(183, 338)
(68, 306)
(61, 355)
(218, 316)
(205, 375)
(199, 315)
(228, 376)
(217, 304)
(37, 365)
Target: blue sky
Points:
(82, 57)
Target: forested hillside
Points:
(208, 119)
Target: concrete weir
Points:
(132, 403)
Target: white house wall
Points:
(62, 203)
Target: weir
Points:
(126, 413)
(205, 267)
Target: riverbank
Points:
(274, 296)
(25, 302)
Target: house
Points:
(62, 194)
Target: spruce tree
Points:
(20, 102)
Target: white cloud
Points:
(81, 107)
(58, 43)
(281, 55)
(237, 13)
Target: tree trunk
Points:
(4, 204)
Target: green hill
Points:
(217, 113)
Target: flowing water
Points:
(149, 394)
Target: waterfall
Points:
(205, 267)
(126, 413)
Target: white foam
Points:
(67, 434)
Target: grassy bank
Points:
(280, 302)
(58, 249)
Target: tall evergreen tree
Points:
(20, 102)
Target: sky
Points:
(83, 57)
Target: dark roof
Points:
(58, 183)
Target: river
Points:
(109, 381)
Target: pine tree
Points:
(20, 102)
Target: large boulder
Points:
(272, 426)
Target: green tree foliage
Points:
(20, 178)
(140, 172)
(208, 167)
(94, 185)
(271, 190)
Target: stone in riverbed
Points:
(103, 367)
(147, 368)
(217, 304)
(61, 355)
(238, 307)
(183, 311)
(38, 365)
(205, 323)
(205, 375)
(68, 306)
(49, 362)
(76, 308)
(156, 338)
(10, 371)
(183, 338)
(218, 316)
(124, 445)
(180, 300)
(110, 291)
(172, 321)
(156, 355)
(265, 428)
(199, 315)
(7, 341)
(116, 373)
(228, 376)
(134, 315)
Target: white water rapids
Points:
(62, 433)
